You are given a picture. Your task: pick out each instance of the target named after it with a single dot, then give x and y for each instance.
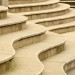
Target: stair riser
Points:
(30, 40)
(32, 8)
(64, 30)
(69, 66)
(56, 22)
(24, 1)
(12, 28)
(3, 15)
(5, 67)
(51, 52)
(46, 15)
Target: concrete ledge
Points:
(50, 52)
(63, 28)
(60, 10)
(33, 6)
(29, 40)
(59, 67)
(7, 51)
(69, 17)
(63, 62)
(69, 65)
(24, 1)
(12, 23)
(32, 51)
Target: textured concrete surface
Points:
(53, 65)
(34, 40)
(71, 72)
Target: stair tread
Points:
(23, 2)
(34, 4)
(59, 8)
(68, 54)
(7, 40)
(2, 8)
(12, 19)
(70, 24)
(68, 15)
(54, 65)
(31, 52)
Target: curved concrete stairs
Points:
(25, 43)
(20, 42)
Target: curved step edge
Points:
(12, 23)
(60, 10)
(59, 45)
(7, 51)
(33, 7)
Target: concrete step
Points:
(63, 62)
(24, 1)
(71, 2)
(12, 23)
(3, 12)
(33, 6)
(17, 40)
(63, 28)
(27, 57)
(66, 18)
(60, 10)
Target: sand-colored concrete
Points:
(54, 65)
(60, 10)
(27, 57)
(48, 4)
(34, 43)
(24, 1)
(71, 72)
